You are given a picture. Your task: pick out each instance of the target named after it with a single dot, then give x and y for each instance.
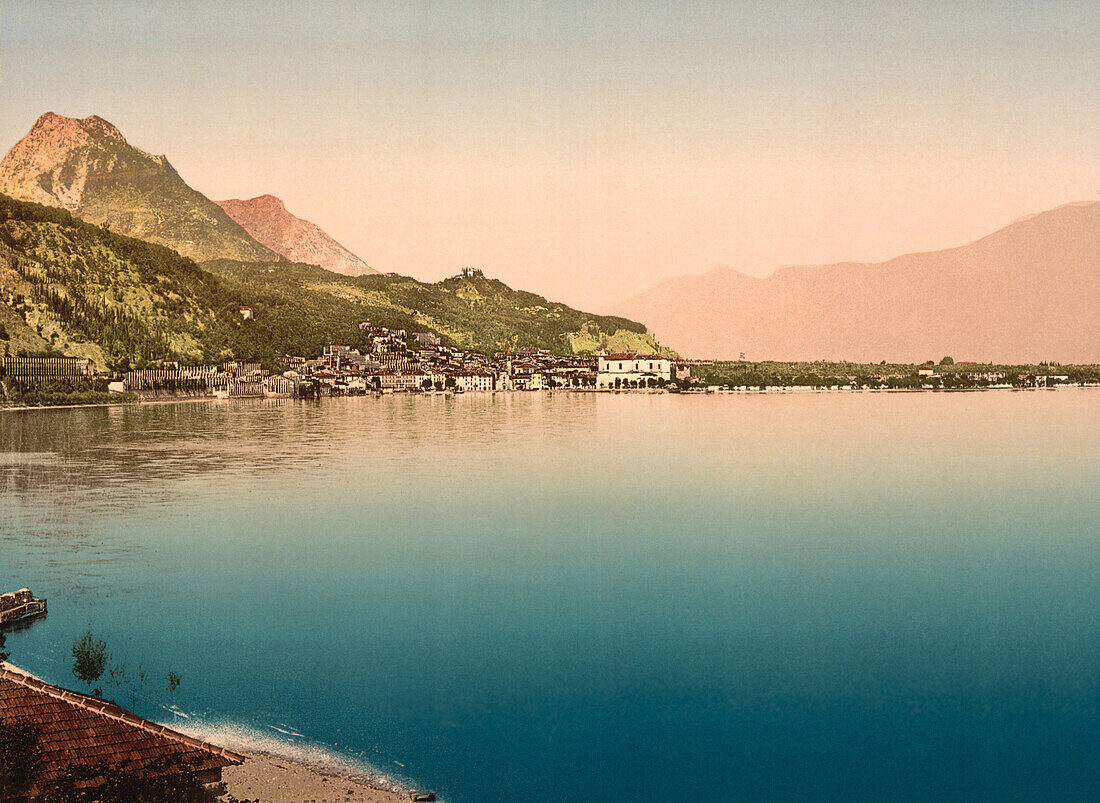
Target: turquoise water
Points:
(573, 597)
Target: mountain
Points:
(74, 288)
(87, 167)
(267, 220)
(1027, 293)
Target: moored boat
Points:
(16, 606)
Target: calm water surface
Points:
(572, 597)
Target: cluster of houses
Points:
(932, 377)
(394, 361)
(228, 379)
(401, 362)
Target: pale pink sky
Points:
(585, 150)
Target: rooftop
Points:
(76, 729)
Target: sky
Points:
(587, 150)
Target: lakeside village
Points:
(402, 362)
(397, 362)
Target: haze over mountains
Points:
(267, 220)
(1027, 293)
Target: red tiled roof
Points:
(75, 729)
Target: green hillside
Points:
(142, 196)
(474, 313)
(145, 198)
(78, 289)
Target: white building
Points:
(474, 381)
(402, 380)
(630, 370)
(528, 381)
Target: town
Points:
(398, 361)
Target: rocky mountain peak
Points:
(86, 166)
(46, 166)
(72, 131)
(268, 221)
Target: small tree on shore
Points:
(172, 683)
(89, 660)
(3, 655)
(137, 688)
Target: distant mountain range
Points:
(267, 221)
(1024, 294)
(72, 281)
(1027, 293)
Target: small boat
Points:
(16, 606)
(421, 797)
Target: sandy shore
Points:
(273, 779)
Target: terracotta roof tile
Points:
(74, 729)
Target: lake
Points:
(578, 596)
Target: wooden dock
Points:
(17, 606)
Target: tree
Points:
(172, 681)
(947, 361)
(168, 779)
(137, 690)
(3, 655)
(117, 675)
(89, 660)
(20, 756)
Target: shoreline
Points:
(272, 778)
(280, 769)
(138, 403)
(701, 392)
(646, 391)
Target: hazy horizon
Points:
(586, 151)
